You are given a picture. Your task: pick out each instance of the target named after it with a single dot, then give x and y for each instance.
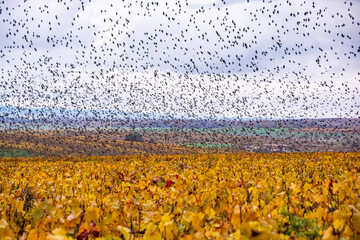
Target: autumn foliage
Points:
(234, 196)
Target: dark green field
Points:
(4, 152)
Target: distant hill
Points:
(33, 118)
(20, 144)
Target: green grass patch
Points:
(16, 153)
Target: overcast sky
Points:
(268, 59)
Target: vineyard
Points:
(216, 196)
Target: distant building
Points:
(269, 147)
(134, 137)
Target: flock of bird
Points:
(199, 59)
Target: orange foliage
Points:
(233, 196)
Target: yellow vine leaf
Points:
(328, 234)
(5, 230)
(356, 221)
(197, 220)
(235, 219)
(124, 231)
